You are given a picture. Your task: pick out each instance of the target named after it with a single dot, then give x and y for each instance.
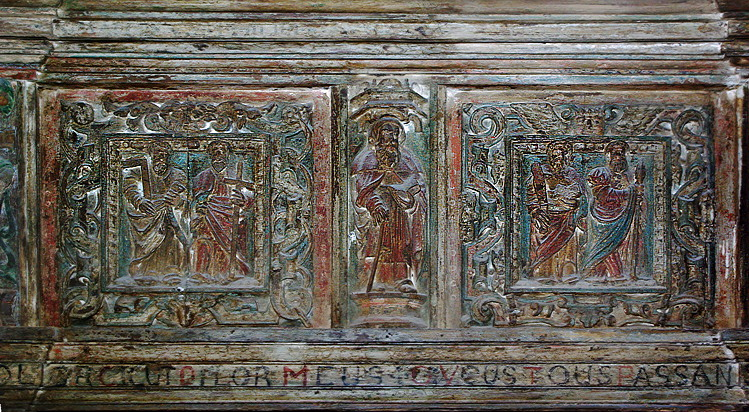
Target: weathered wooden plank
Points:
(495, 16)
(24, 46)
(736, 48)
(20, 58)
(336, 50)
(580, 78)
(733, 5)
(379, 30)
(510, 398)
(738, 28)
(437, 66)
(23, 351)
(32, 3)
(267, 377)
(9, 8)
(12, 25)
(367, 336)
(394, 6)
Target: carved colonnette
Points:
(186, 210)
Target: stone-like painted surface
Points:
(551, 192)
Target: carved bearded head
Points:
(384, 136)
(219, 152)
(616, 153)
(557, 155)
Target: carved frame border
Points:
(76, 296)
(688, 303)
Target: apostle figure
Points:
(391, 193)
(154, 190)
(615, 246)
(555, 192)
(220, 227)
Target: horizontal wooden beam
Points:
(398, 6)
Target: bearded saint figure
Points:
(221, 227)
(555, 191)
(154, 190)
(614, 251)
(391, 192)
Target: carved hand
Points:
(380, 214)
(147, 207)
(172, 197)
(237, 198)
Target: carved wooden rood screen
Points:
(373, 205)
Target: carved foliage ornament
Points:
(587, 215)
(186, 213)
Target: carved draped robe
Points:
(214, 230)
(157, 241)
(614, 243)
(554, 245)
(397, 242)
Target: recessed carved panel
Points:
(583, 215)
(388, 278)
(192, 209)
(9, 202)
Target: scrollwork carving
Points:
(486, 123)
(538, 251)
(124, 165)
(483, 206)
(80, 217)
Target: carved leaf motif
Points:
(636, 120)
(492, 309)
(80, 216)
(292, 285)
(542, 118)
(690, 128)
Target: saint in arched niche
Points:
(391, 199)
